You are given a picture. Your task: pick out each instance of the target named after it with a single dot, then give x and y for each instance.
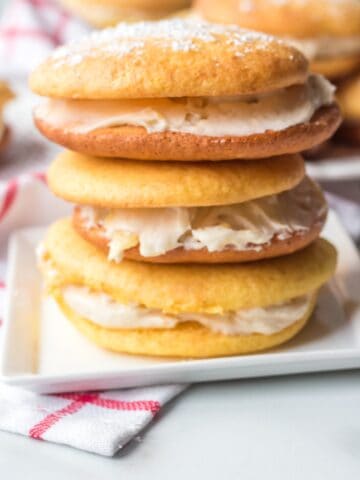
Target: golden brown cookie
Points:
(328, 32)
(337, 68)
(173, 58)
(348, 95)
(287, 18)
(134, 142)
(111, 183)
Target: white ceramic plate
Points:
(43, 352)
(333, 169)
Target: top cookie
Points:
(295, 18)
(172, 58)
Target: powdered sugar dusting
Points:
(176, 35)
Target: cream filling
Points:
(323, 48)
(209, 116)
(102, 310)
(245, 226)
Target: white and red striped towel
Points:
(101, 422)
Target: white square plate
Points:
(43, 351)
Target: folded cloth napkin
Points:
(100, 422)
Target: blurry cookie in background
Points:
(103, 13)
(349, 99)
(346, 142)
(326, 31)
(6, 95)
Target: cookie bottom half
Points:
(187, 340)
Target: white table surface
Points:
(291, 428)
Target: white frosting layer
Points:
(103, 310)
(244, 226)
(209, 116)
(327, 47)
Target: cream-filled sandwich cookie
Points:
(349, 99)
(327, 31)
(104, 13)
(183, 311)
(5, 96)
(182, 90)
(195, 212)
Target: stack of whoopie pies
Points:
(195, 231)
